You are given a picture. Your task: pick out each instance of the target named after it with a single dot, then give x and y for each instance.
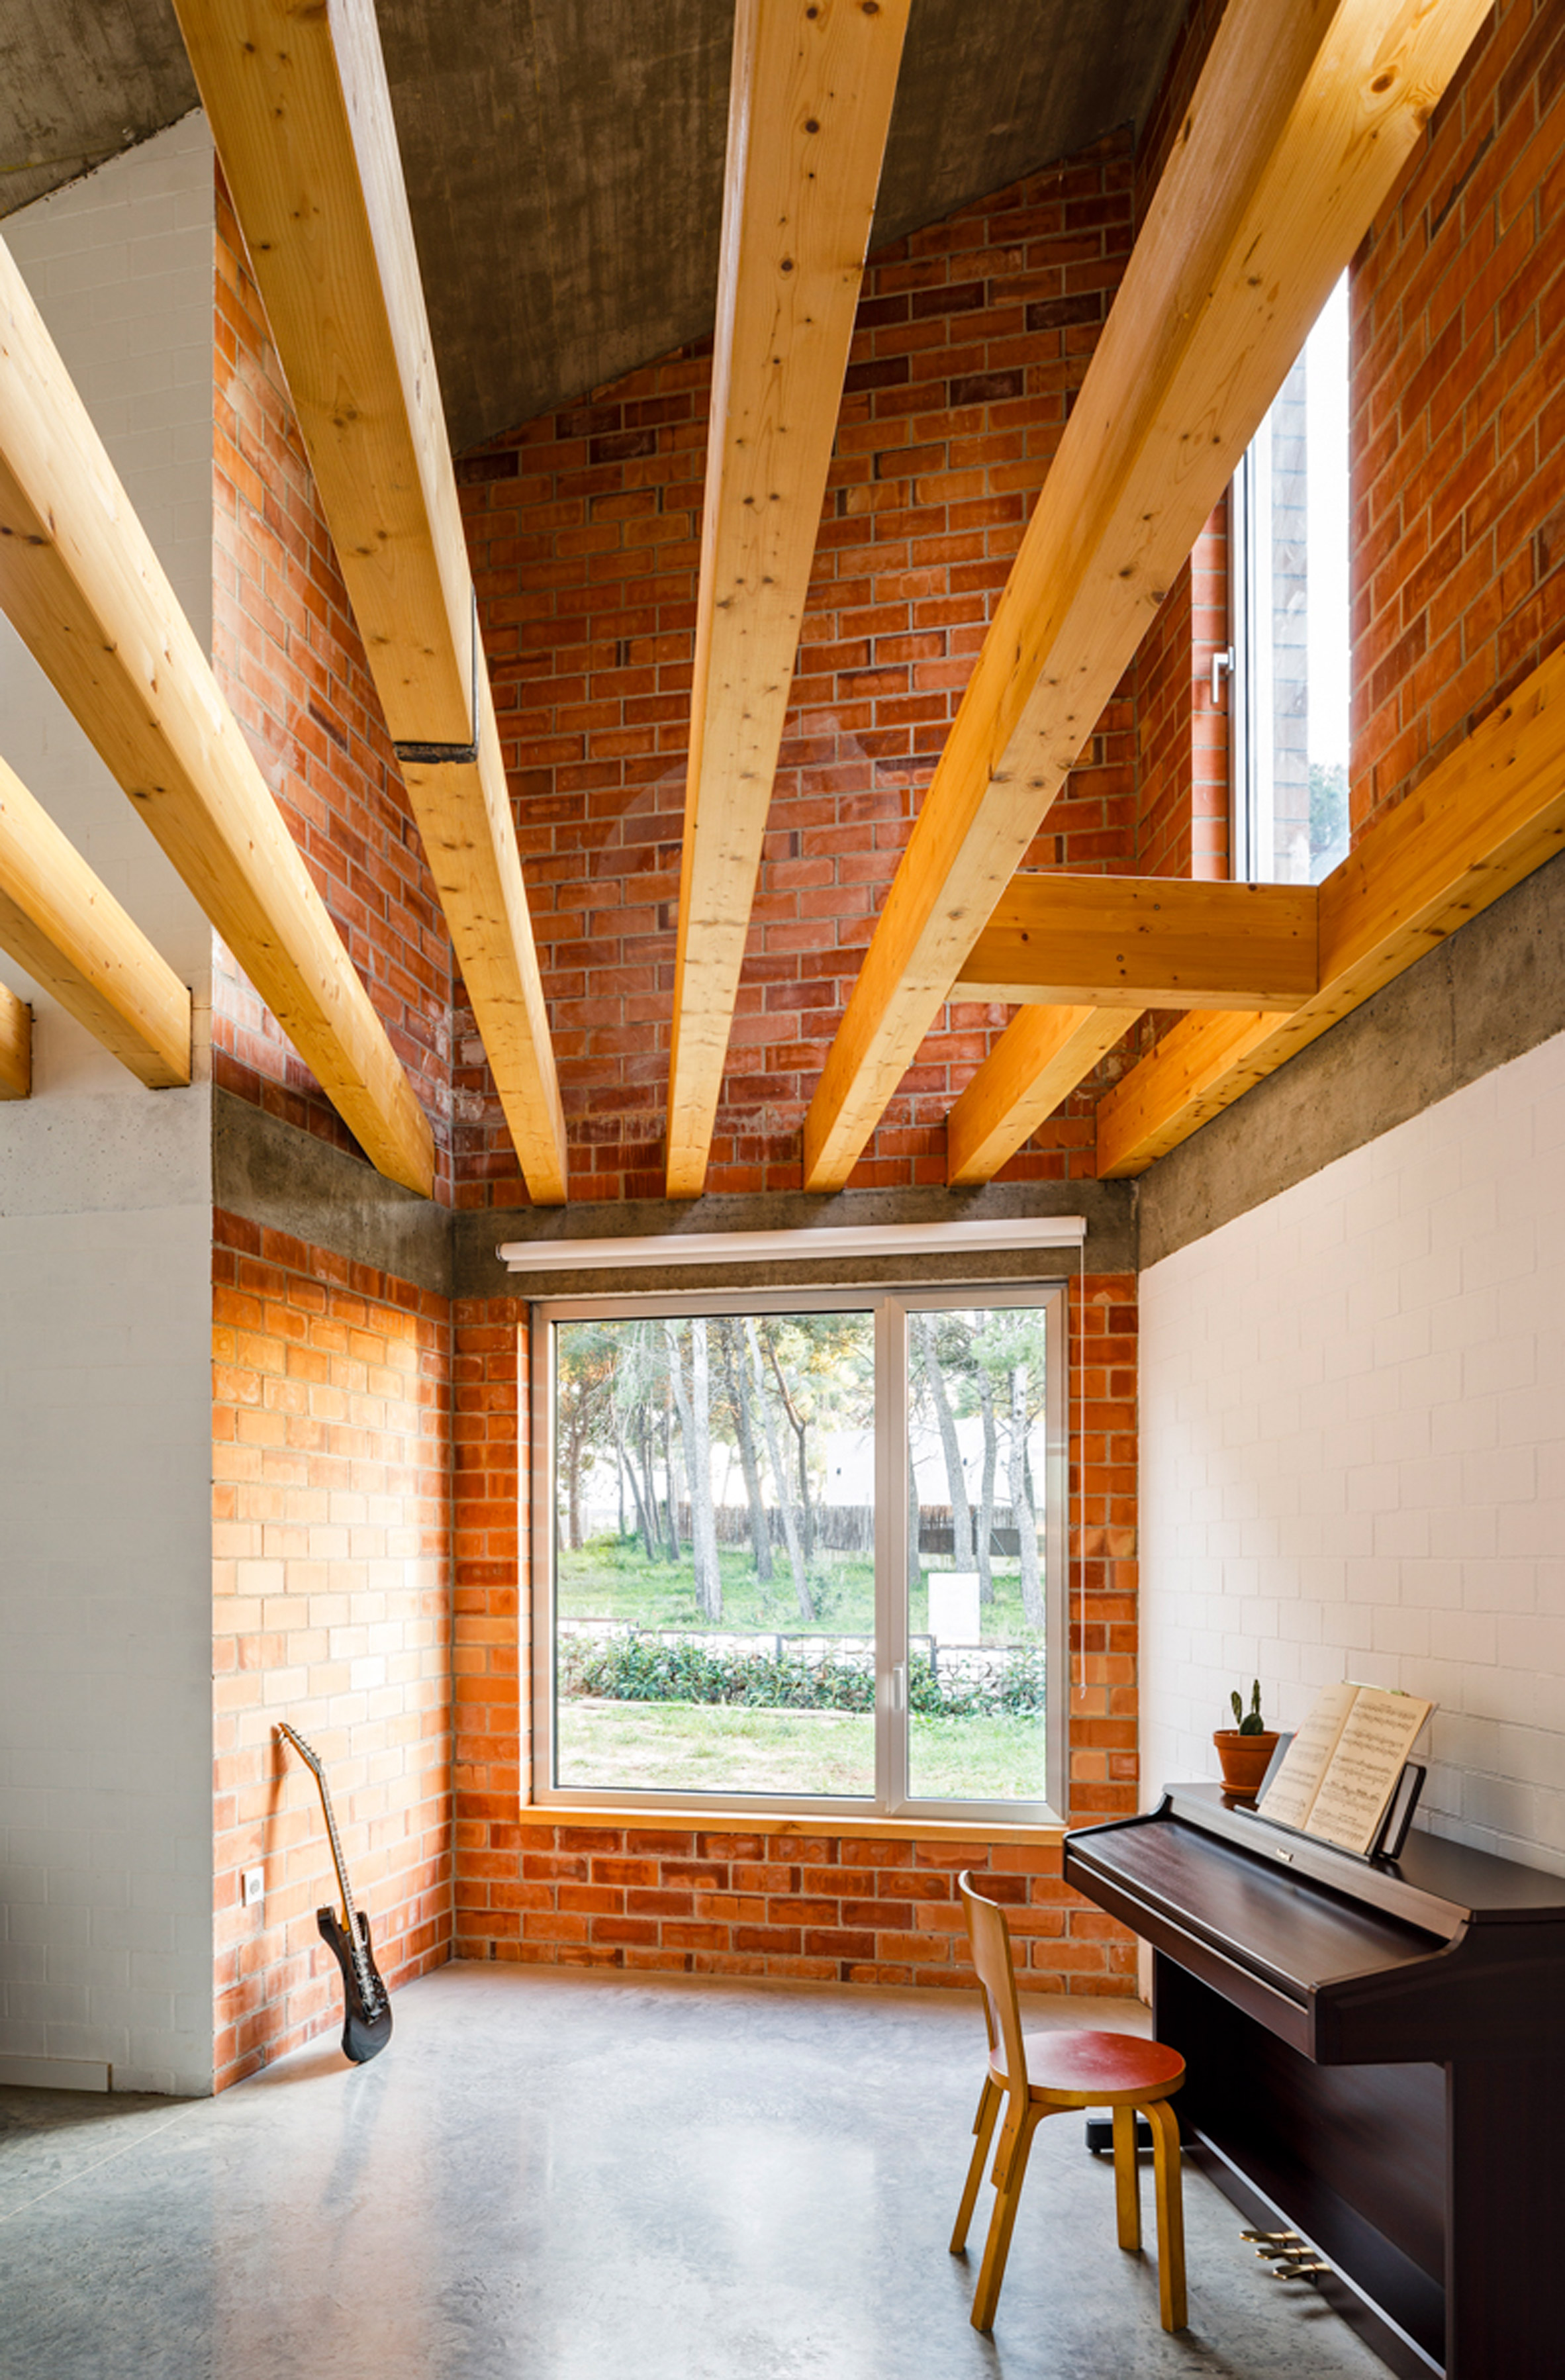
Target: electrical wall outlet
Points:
(255, 1886)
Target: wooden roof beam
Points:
(809, 104)
(301, 114)
(1043, 1055)
(1300, 125)
(1088, 954)
(1195, 1069)
(92, 602)
(1491, 812)
(16, 1046)
(65, 928)
(1145, 942)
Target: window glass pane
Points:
(976, 1575)
(1297, 615)
(1330, 637)
(714, 1559)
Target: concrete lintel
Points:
(1110, 1208)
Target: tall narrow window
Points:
(1292, 631)
(804, 1554)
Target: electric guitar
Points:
(367, 2016)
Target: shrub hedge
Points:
(648, 1668)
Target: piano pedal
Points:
(1289, 2254)
(1100, 2134)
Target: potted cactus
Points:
(1245, 1748)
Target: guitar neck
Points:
(350, 1915)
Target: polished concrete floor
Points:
(549, 2177)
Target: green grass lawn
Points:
(610, 1580)
(713, 1748)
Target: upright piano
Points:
(1375, 2054)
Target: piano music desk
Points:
(1376, 2059)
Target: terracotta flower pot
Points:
(1246, 1759)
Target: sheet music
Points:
(1290, 1796)
(1362, 1774)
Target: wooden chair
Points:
(1045, 2073)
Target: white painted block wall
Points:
(105, 1231)
(1352, 1440)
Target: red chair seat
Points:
(1101, 2068)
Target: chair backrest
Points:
(991, 1937)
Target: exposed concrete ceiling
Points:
(80, 81)
(566, 161)
(564, 157)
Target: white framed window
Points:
(802, 1552)
(1289, 620)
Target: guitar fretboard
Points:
(350, 1914)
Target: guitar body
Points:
(367, 2013)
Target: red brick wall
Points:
(820, 1908)
(1103, 1573)
(1163, 716)
(332, 1609)
(490, 1643)
(290, 661)
(1458, 412)
(732, 1899)
(972, 338)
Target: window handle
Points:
(899, 1685)
(1222, 667)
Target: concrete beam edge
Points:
(286, 1180)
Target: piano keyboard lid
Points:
(1256, 1894)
